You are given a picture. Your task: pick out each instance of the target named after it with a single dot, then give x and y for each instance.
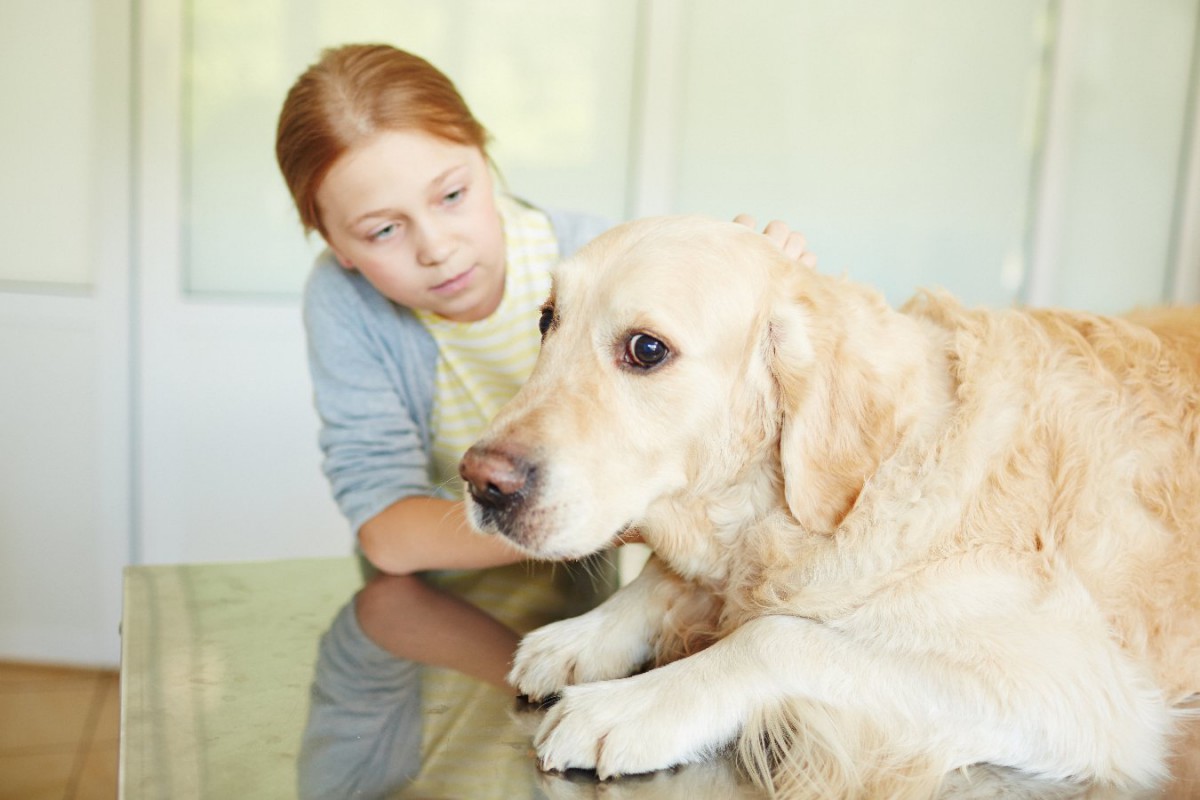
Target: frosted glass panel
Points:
(1126, 100)
(897, 136)
(552, 82)
(47, 132)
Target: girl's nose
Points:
(434, 245)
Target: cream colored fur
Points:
(888, 544)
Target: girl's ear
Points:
(345, 262)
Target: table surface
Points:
(217, 663)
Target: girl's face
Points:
(416, 216)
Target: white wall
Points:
(155, 405)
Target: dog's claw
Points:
(525, 702)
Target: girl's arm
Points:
(421, 533)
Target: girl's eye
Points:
(383, 233)
(546, 320)
(644, 351)
(454, 197)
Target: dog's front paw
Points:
(578, 650)
(633, 726)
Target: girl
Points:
(421, 321)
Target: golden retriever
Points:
(888, 544)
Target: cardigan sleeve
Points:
(363, 363)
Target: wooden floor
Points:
(58, 733)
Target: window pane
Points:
(896, 136)
(1126, 102)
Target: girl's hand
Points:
(792, 244)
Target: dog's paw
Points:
(637, 725)
(578, 650)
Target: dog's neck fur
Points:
(694, 530)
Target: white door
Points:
(64, 327)
(226, 450)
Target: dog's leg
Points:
(613, 640)
(687, 710)
(945, 717)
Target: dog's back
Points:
(1171, 494)
(1104, 461)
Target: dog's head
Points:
(681, 357)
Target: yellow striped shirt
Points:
(481, 365)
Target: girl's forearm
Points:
(422, 533)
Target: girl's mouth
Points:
(455, 284)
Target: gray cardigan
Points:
(373, 365)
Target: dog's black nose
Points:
(495, 479)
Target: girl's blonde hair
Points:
(352, 93)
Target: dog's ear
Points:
(837, 416)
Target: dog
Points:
(887, 544)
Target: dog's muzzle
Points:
(498, 482)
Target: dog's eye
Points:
(645, 351)
(546, 320)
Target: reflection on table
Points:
(217, 680)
